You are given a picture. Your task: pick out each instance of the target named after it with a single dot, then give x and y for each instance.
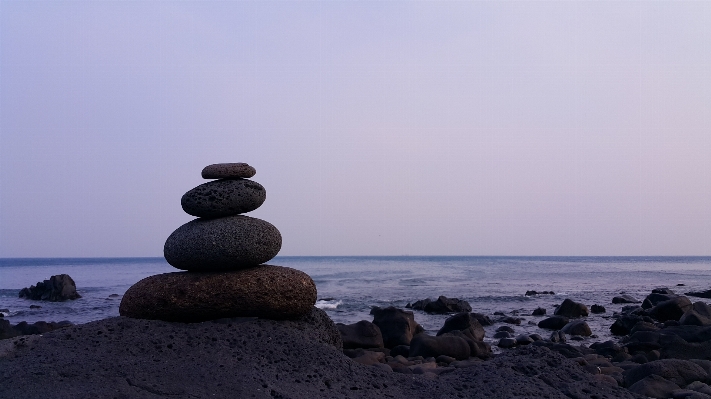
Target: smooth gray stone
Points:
(225, 197)
(266, 291)
(223, 244)
(228, 171)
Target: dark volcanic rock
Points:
(228, 171)
(428, 346)
(234, 358)
(553, 323)
(569, 308)
(465, 323)
(266, 291)
(577, 327)
(680, 372)
(221, 198)
(23, 328)
(597, 309)
(671, 309)
(229, 243)
(700, 294)
(538, 312)
(442, 305)
(362, 334)
(58, 288)
(531, 293)
(397, 326)
(654, 386)
(698, 315)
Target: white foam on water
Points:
(328, 304)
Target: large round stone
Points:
(272, 292)
(229, 243)
(220, 198)
(228, 171)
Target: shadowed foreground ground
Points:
(250, 358)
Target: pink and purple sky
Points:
(377, 128)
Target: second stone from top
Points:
(221, 198)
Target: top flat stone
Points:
(228, 171)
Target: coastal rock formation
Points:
(362, 334)
(228, 171)
(272, 292)
(466, 323)
(397, 326)
(698, 315)
(223, 253)
(58, 288)
(229, 243)
(625, 299)
(224, 197)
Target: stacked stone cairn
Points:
(222, 254)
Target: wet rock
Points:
(228, 243)
(523, 339)
(266, 291)
(396, 325)
(553, 323)
(362, 334)
(58, 288)
(569, 308)
(507, 343)
(531, 293)
(671, 309)
(538, 312)
(228, 171)
(465, 323)
(445, 305)
(400, 350)
(221, 198)
(596, 309)
(698, 315)
(502, 334)
(699, 294)
(577, 327)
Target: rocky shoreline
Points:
(258, 358)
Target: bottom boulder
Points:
(271, 292)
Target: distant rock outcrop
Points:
(58, 288)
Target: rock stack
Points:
(223, 255)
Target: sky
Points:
(377, 128)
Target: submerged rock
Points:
(58, 288)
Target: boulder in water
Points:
(58, 288)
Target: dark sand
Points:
(249, 358)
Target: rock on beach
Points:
(224, 197)
(227, 243)
(266, 291)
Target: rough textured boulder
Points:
(656, 297)
(671, 309)
(228, 171)
(449, 345)
(221, 198)
(698, 315)
(58, 288)
(625, 299)
(362, 334)
(569, 308)
(465, 323)
(538, 312)
(624, 324)
(396, 325)
(577, 327)
(228, 243)
(266, 291)
(654, 386)
(680, 372)
(553, 323)
(484, 320)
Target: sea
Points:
(349, 287)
